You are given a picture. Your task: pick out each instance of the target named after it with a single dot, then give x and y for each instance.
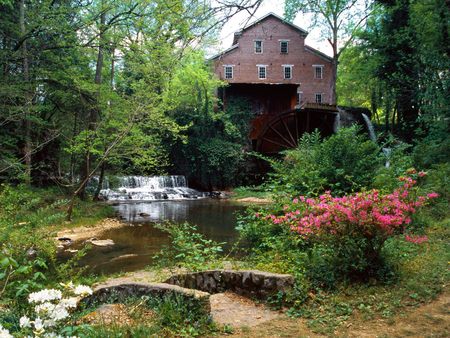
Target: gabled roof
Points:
(271, 14)
(224, 52)
(319, 53)
(238, 34)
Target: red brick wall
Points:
(270, 31)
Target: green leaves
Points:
(188, 248)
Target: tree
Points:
(339, 21)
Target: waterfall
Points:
(370, 128)
(387, 152)
(144, 188)
(337, 123)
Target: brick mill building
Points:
(287, 83)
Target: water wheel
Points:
(284, 130)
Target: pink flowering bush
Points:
(349, 231)
(368, 214)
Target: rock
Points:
(255, 283)
(218, 194)
(32, 253)
(101, 242)
(64, 239)
(121, 291)
(123, 257)
(71, 250)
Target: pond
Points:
(137, 243)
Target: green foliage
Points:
(26, 252)
(344, 162)
(211, 153)
(171, 315)
(188, 248)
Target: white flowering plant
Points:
(52, 310)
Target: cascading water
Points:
(337, 122)
(144, 188)
(370, 127)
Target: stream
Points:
(136, 244)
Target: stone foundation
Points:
(121, 292)
(251, 283)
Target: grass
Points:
(251, 191)
(171, 315)
(422, 272)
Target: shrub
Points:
(188, 247)
(344, 236)
(50, 310)
(26, 251)
(345, 162)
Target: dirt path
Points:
(238, 311)
(430, 320)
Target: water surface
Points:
(137, 243)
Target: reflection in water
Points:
(136, 244)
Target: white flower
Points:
(59, 313)
(44, 308)
(49, 323)
(38, 326)
(24, 321)
(82, 290)
(4, 333)
(69, 303)
(44, 296)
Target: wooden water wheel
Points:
(284, 130)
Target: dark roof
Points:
(238, 34)
(319, 53)
(302, 31)
(224, 52)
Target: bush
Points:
(345, 162)
(26, 251)
(188, 248)
(342, 236)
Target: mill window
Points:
(228, 72)
(318, 97)
(258, 46)
(284, 47)
(287, 71)
(262, 72)
(318, 72)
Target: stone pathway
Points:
(226, 308)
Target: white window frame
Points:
(259, 67)
(287, 46)
(298, 97)
(318, 95)
(321, 71)
(262, 46)
(284, 71)
(225, 72)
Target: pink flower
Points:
(416, 239)
(422, 173)
(432, 195)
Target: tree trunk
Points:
(94, 111)
(100, 181)
(26, 78)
